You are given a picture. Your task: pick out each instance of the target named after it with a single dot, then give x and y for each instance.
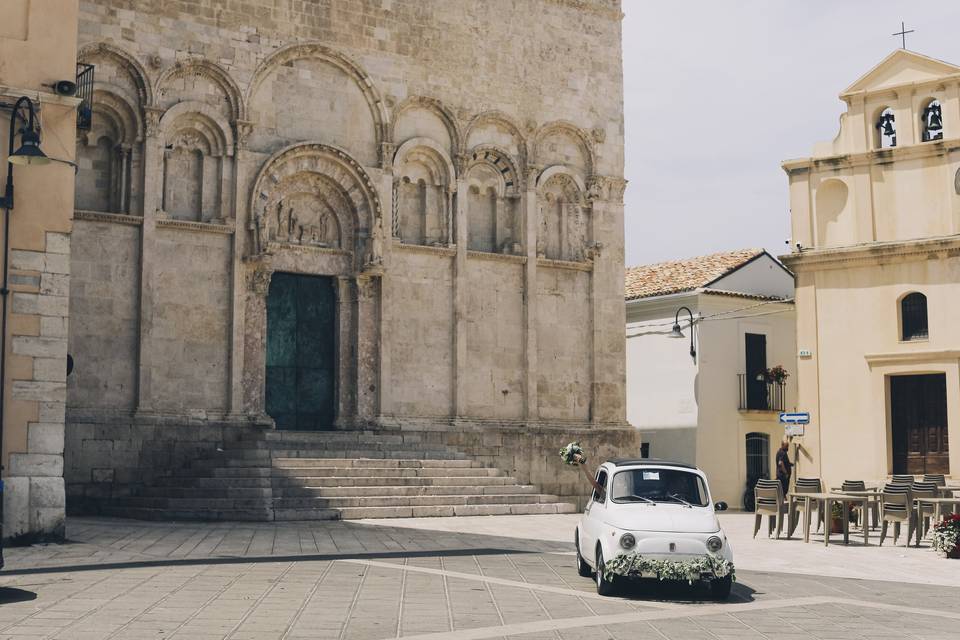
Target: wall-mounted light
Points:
(678, 333)
(29, 152)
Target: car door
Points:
(593, 519)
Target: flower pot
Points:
(836, 525)
(955, 553)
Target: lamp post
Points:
(677, 333)
(28, 154)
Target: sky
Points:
(717, 93)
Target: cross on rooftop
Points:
(903, 34)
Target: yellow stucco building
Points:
(876, 253)
(37, 50)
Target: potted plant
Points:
(776, 375)
(946, 536)
(836, 517)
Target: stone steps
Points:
(333, 475)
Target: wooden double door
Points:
(918, 405)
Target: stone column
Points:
(346, 360)
(388, 206)
(459, 359)
(595, 214)
(233, 206)
(125, 179)
(255, 339)
(531, 226)
(152, 184)
(368, 340)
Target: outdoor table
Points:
(938, 504)
(827, 499)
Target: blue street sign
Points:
(795, 418)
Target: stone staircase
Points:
(332, 475)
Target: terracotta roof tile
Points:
(683, 275)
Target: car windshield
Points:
(659, 485)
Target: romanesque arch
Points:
(316, 195)
(104, 153)
(493, 203)
(338, 124)
(437, 109)
(562, 142)
(123, 60)
(423, 193)
(563, 230)
(212, 72)
(197, 163)
(498, 129)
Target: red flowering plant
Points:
(776, 374)
(946, 534)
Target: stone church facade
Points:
(388, 215)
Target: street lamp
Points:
(677, 333)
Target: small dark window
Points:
(644, 449)
(602, 481)
(913, 317)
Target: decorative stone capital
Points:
(258, 282)
(241, 133)
(531, 173)
(366, 288)
(387, 151)
(460, 162)
(599, 134)
(152, 117)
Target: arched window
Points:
(913, 317)
(887, 129)
(932, 121)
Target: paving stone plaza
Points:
(458, 578)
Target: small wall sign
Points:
(793, 430)
(805, 353)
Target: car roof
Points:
(649, 462)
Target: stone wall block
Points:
(52, 412)
(35, 464)
(25, 303)
(45, 438)
(101, 475)
(58, 242)
(16, 506)
(40, 391)
(40, 347)
(28, 260)
(53, 327)
(55, 284)
(47, 493)
(48, 522)
(50, 369)
(56, 263)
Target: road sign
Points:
(793, 430)
(795, 418)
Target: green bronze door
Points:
(301, 319)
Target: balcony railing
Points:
(760, 395)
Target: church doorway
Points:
(301, 361)
(918, 407)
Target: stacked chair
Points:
(927, 509)
(867, 509)
(896, 506)
(807, 485)
(768, 500)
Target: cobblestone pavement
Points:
(126, 579)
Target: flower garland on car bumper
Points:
(633, 565)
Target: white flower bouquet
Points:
(573, 454)
(633, 565)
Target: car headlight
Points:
(714, 543)
(627, 541)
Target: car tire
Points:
(720, 587)
(583, 569)
(605, 587)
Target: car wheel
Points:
(720, 587)
(582, 567)
(605, 586)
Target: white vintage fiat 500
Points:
(653, 519)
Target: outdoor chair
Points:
(807, 485)
(902, 479)
(768, 500)
(867, 508)
(896, 506)
(927, 509)
(938, 479)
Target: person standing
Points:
(784, 466)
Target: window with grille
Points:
(913, 317)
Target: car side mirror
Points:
(720, 506)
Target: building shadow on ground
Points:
(680, 592)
